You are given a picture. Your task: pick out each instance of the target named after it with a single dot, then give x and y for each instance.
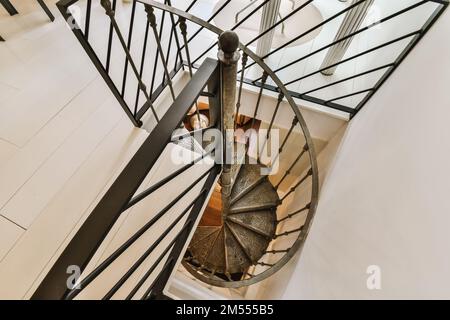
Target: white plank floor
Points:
(63, 137)
(9, 234)
(63, 140)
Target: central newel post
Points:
(228, 56)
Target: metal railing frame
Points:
(120, 196)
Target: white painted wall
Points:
(385, 197)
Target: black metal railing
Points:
(134, 77)
(375, 25)
(156, 43)
(174, 53)
(121, 196)
(309, 180)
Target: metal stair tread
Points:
(200, 248)
(263, 222)
(239, 157)
(242, 193)
(253, 244)
(241, 243)
(248, 174)
(263, 196)
(202, 232)
(237, 261)
(215, 261)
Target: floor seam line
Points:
(15, 223)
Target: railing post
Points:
(228, 56)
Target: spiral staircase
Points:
(227, 251)
(249, 229)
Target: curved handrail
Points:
(298, 244)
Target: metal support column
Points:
(352, 22)
(228, 56)
(268, 19)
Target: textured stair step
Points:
(216, 257)
(247, 190)
(239, 157)
(201, 248)
(261, 222)
(253, 208)
(201, 233)
(237, 260)
(247, 175)
(263, 196)
(253, 244)
(249, 226)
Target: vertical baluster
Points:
(169, 47)
(110, 36)
(258, 102)
(130, 34)
(155, 63)
(141, 70)
(228, 56)
(241, 83)
(173, 34)
(88, 18)
(280, 99)
(309, 173)
(183, 28)
(152, 19)
(106, 4)
(288, 171)
(294, 123)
